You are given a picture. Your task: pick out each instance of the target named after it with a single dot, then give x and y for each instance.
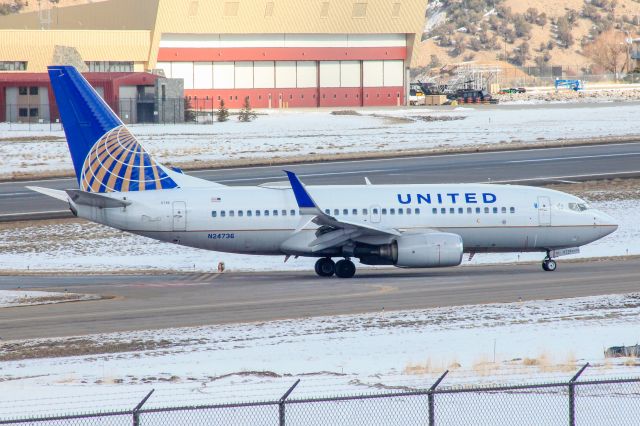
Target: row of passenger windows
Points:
(435, 210)
(251, 213)
(365, 212)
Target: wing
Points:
(334, 232)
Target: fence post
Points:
(431, 399)
(572, 395)
(282, 401)
(136, 410)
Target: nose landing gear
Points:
(325, 267)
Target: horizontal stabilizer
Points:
(53, 193)
(95, 200)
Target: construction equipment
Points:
(574, 85)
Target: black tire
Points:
(345, 269)
(325, 267)
(544, 265)
(551, 265)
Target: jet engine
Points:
(427, 250)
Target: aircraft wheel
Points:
(549, 265)
(325, 267)
(345, 269)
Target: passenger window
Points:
(460, 210)
(452, 210)
(512, 210)
(345, 212)
(240, 213)
(469, 210)
(327, 211)
(495, 210)
(375, 211)
(392, 211)
(486, 209)
(443, 210)
(223, 213)
(214, 213)
(249, 213)
(257, 212)
(408, 211)
(416, 211)
(365, 212)
(266, 212)
(354, 212)
(231, 213)
(275, 212)
(504, 210)
(435, 211)
(336, 212)
(293, 212)
(400, 211)
(384, 211)
(477, 210)
(284, 212)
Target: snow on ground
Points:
(510, 343)
(318, 132)
(89, 247)
(13, 298)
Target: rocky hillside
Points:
(521, 32)
(20, 6)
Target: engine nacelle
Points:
(428, 250)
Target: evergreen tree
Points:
(246, 114)
(223, 112)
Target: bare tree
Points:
(610, 51)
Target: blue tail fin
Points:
(106, 156)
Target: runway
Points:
(531, 167)
(143, 302)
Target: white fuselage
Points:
(258, 220)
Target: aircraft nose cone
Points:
(607, 223)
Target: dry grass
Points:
(602, 190)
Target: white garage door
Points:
(223, 75)
(349, 73)
(285, 74)
(244, 75)
(202, 75)
(183, 70)
(330, 74)
(393, 73)
(307, 74)
(263, 75)
(372, 73)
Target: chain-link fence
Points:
(576, 402)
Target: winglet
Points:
(303, 198)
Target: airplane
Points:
(408, 226)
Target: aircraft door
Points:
(544, 211)
(375, 214)
(179, 216)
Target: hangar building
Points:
(279, 53)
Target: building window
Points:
(324, 9)
(23, 112)
(33, 112)
(13, 66)
(23, 90)
(33, 90)
(268, 10)
(359, 10)
(110, 66)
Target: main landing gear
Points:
(325, 267)
(549, 264)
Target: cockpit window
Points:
(578, 207)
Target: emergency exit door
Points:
(179, 216)
(544, 211)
